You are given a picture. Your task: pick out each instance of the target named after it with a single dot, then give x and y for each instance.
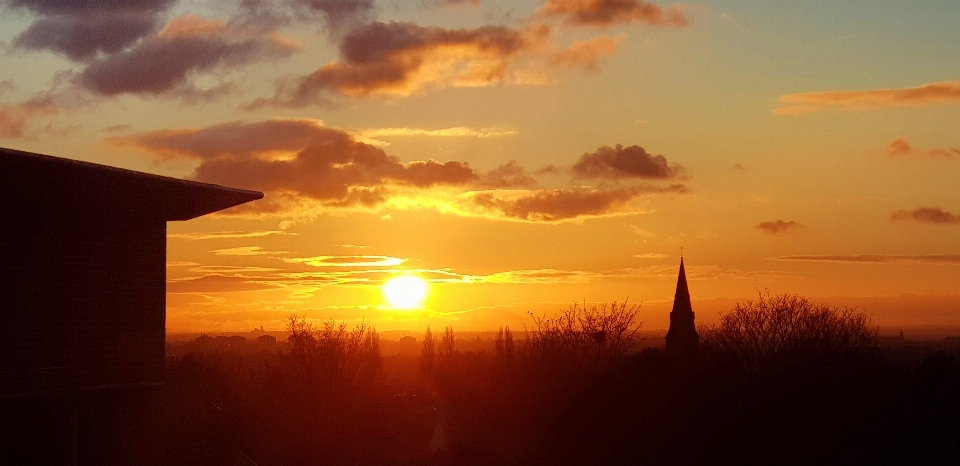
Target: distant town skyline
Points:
(519, 156)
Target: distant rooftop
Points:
(37, 182)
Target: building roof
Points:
(35, 182)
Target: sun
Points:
(405, 291)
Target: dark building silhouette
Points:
(682, 337)
(82, 299)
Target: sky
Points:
(521, 156)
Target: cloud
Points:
(939, 93)
(901, 148)
(617, 163)
(508, 175)
(246, 251)
(336, 15)
(297, 156)
(370, 136)
(587, 53)
(347, 261)
(881, 259)
(218, 283)
(608, 13)
(776, 227)
(81, 30)
(557, 205)
(306, 168)
(187, 45)
(227, 234)
(934, 215)
(181, 264)
(650, 255)
(15, 119)
(538, 276)
(400, 58)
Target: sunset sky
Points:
(520, 155)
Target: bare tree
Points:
(584, 335)
(787, 326)
(332, 358)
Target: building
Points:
(82, 297)
(682, 337)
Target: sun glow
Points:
(405, 291)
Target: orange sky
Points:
(519, 155)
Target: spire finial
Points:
(681, 251)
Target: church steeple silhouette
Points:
(682, 336)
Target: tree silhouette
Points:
(775, 329)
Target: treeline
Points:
(779, 380)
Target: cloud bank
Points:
(301, 165)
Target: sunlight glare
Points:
(405, 291)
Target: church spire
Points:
(682, 336)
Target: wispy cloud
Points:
(650, 255)
(777, 227)
(540, 276)
(246, 251)
(934, 215)
(347, 261)
(938, 93)
(181, 264)
(370, 136)
(456, 131)
(227, 234)
(881, 259)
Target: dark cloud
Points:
(81, 29)
(300, 157)
(607, 13)
(400, 58)
(881, 258)
(776, 227)
(933, 215)
(553, 205)
(163, 63)
(617, 163)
